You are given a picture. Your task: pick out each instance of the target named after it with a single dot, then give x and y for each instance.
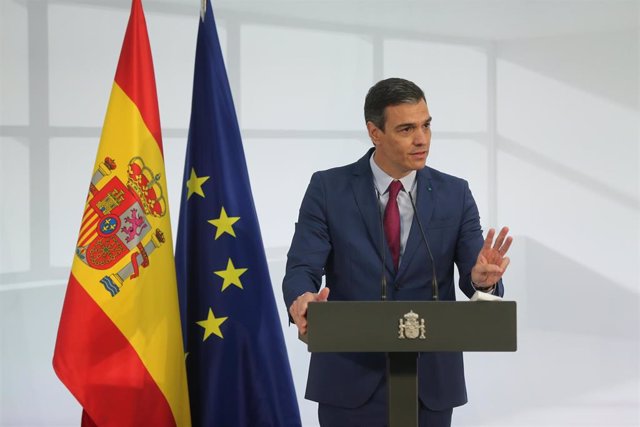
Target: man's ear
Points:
(374, 132)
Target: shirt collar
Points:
(381, 180)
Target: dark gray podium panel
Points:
(374, 326)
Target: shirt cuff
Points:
(487, 290)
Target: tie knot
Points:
(394, 189)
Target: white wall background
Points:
(535, 102)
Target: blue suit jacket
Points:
(339, 234)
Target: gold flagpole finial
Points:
(203, 9)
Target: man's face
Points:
(404, 144)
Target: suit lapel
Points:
(367, 202)
(424, 208)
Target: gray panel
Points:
(449, 326)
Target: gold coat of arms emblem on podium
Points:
(411, 327)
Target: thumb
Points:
(323, 294)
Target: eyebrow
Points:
(404, 125)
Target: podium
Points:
(402, 329)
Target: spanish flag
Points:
(119, 348)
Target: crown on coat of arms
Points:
(411, 316)
(146, 185)
(110, 163)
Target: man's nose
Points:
(420, 137)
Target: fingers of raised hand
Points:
(496, 273)
(501, 236)
(489, 269)
(504, 264)
(503, 242)
(488, 241)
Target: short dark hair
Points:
(392, 91)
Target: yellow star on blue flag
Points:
(194, 184)
(231, 275)
(224, 224)
(211, 325)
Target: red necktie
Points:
(392, 222)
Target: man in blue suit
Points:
(355, 218)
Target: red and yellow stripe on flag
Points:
(119, 347)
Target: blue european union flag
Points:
(237, 365)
